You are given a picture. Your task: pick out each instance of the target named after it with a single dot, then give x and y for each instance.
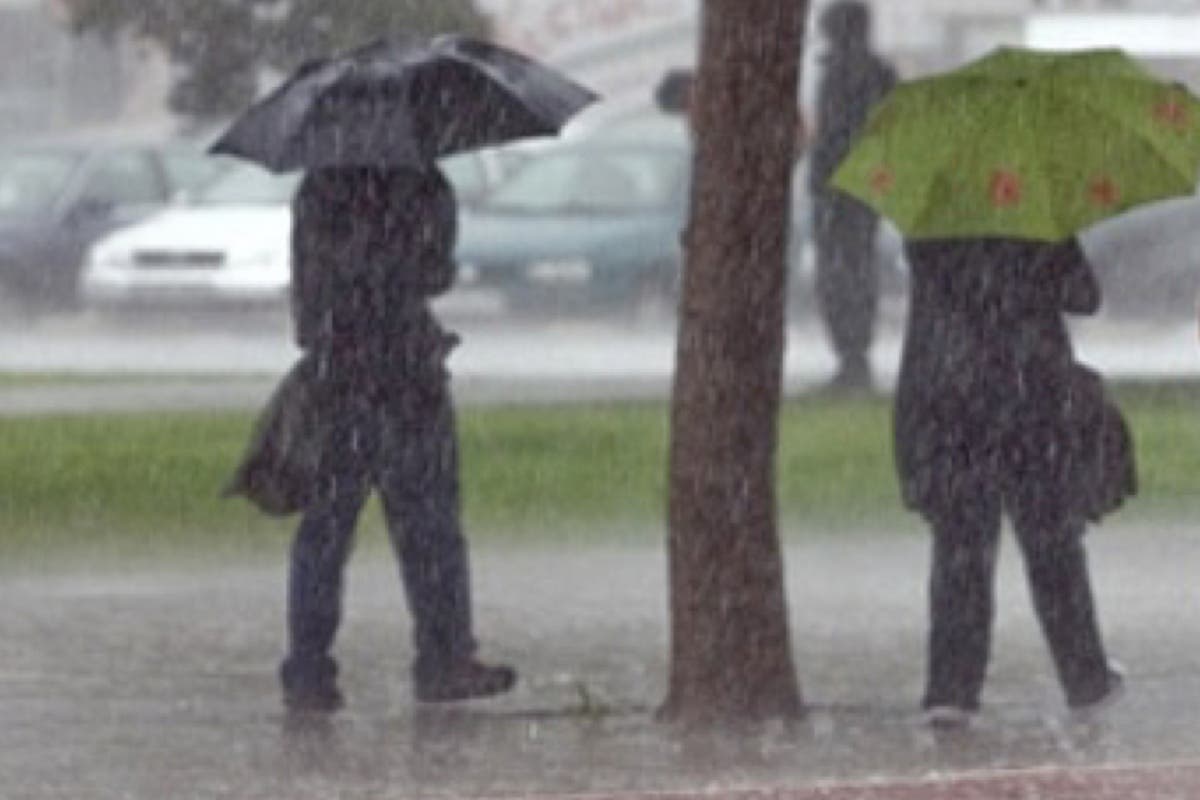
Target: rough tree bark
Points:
(730, 645)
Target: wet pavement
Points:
(160, 682)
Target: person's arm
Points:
(306, 290)
(435, 239)
(1078, 289)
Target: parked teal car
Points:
(592, 225)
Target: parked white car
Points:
(229, 246)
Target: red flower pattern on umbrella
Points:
(1005, 190)
(1172, 113)
(882, 180)
(1103, 191)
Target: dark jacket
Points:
(369, 249)
(988, 381)
(853, 79)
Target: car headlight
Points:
(263, 259)
(101, 257)
(568, 270)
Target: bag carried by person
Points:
(1103, 468)
(278, 470)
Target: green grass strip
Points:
(131, 484)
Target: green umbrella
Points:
(1025, 144)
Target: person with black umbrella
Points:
(374, 224)
(370, 247)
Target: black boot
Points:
(310, 684)
(462, 681)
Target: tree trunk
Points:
(730, 647)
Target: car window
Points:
(191, 172)
(30, 182)
(124, 179)
(600, 181)
(249, 185)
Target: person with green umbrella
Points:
(988, 407)
(990, 171)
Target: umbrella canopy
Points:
(1025, 144)
(403, 102)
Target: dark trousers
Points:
(965, 541)
(414, 466)
(847, 280)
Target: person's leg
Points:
(419, 485)
(961, 604)
(314, 602)
(1051, 541)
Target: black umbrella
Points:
(403, 101)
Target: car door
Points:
(117, 188)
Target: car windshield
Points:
(592, 180)
(29, 181)
(249, 186)
(191, 172)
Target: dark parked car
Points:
(593, 224)
(57, 198)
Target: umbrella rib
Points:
(1104, 111)
(1057, 220)
(929, 202)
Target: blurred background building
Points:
(51, 79)
(622, 47)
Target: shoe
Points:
(316, 699)
(310, 684)
(1114, 690)
(464, 681)
(948, 717)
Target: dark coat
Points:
(988, 381)
(853, 79)
(369, 249)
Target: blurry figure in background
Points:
(853, 78)
(993, 415)
(370, 247)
